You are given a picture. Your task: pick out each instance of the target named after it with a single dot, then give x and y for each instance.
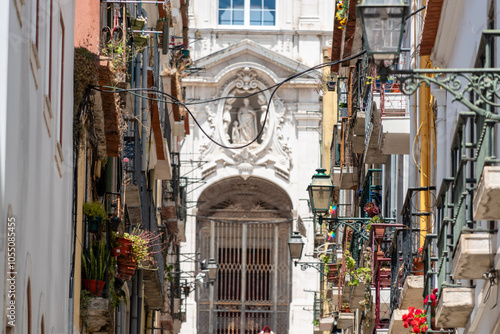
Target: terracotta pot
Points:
(127, 261)
(120, 251)
(385, 278)
(379, 231)
(94, 286)
(418, 267)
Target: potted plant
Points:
(95, 264)
(95, 213)
(142, 245)
(416, 319)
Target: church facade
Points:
(254, 146)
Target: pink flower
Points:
(125, 160)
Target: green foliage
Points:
(94, 261)
(362, 274)
(85, 297)
(86, 66)
(94, 209)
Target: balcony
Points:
(395, 130)
(472, 256)
(412, 292)
(372, 153)
(325, 324)
(345, 320)
(348, 161)
(485, 208)
(396, 324)
(454, 307)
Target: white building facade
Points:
(36, 159)
(249, 160)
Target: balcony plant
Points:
(95, 264)
(357, 275)
(341, 14)
(143, 245)
(95, 213)
(416, 319)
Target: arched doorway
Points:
(245, 225)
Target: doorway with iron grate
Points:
(245, 226)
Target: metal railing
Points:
(406, 243)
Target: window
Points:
(247, 12)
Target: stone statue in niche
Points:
(247, 119)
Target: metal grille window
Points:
(252, 288)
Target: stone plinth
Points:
(472, 255)
(325, 324)
(454, 307)
(346, 320)
(485, 205)
(412, 292)
(396, 324)
(99, 317)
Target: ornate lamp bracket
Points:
(316, 265)
(484, 83)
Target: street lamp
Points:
(383, 24)
(320, 192)
(295, 245)
(212, 268)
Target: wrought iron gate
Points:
(253, 284)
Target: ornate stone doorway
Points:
(245, 226)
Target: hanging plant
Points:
(341, 13)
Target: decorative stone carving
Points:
(245, 128)
(246, 81)
(237, 121)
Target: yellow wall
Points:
(79, 234)
(329, 120)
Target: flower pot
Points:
(124, 243)
(94, 224)
(119, 251)
(115, 223)
(140, 41)
(417, 267)
(93, 286)
(127, 261)
(385, 278)
(379, 231)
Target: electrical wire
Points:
(276, 87)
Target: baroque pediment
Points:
(254, 129)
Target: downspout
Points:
(425, 152)
(144, 110)
(140, 299)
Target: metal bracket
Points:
(484, 83)
(316, 265)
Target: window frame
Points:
(247, 17)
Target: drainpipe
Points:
(441, 145)
(137, 108)
(144, 110)
(393, 182)
(134, 306)
(425, 152)
(139, 300)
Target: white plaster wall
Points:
(296, 34)
(456, 46)
(302, 29)
(41, 200)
